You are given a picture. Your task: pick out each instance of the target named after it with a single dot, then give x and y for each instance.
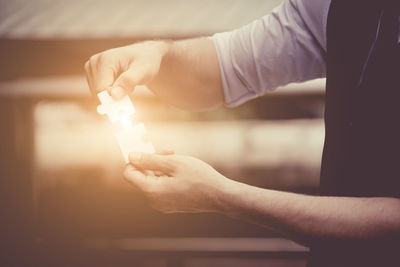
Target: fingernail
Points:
(117, 92)
(134, 156)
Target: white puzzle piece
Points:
(115, 109)
(132, 140)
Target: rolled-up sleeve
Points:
(285, 46)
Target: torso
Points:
(362, 145)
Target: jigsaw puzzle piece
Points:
(116, 110)
(132, 140)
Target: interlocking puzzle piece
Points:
(131, 139)
(116, 110)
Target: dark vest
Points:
(362, 120)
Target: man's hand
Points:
(175, 183)
(119, 70)
(183, 73)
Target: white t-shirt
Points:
(288, 45)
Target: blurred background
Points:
(63, 200)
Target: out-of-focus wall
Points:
(104, 19)
(59, 35)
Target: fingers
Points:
(137, 178)
(88, 73)
(159, 163)
(105, 76)
(100, 73)
(137, 74)
(116, 92)
(165, 151)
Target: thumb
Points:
(137, 74)
(144, 161)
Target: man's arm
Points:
(287, 45)
(190, 185)
(312, 218)
(183, 73)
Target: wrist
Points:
(227, 195)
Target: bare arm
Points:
(309, 218)
(192, 185)
(184, 73)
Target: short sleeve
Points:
(288, 45)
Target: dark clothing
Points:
(362, 118)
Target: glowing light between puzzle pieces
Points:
(126, 122)
(129, 134)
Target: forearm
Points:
(189, 75)
(309, 218)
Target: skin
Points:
(187, 80)
(187, 75)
